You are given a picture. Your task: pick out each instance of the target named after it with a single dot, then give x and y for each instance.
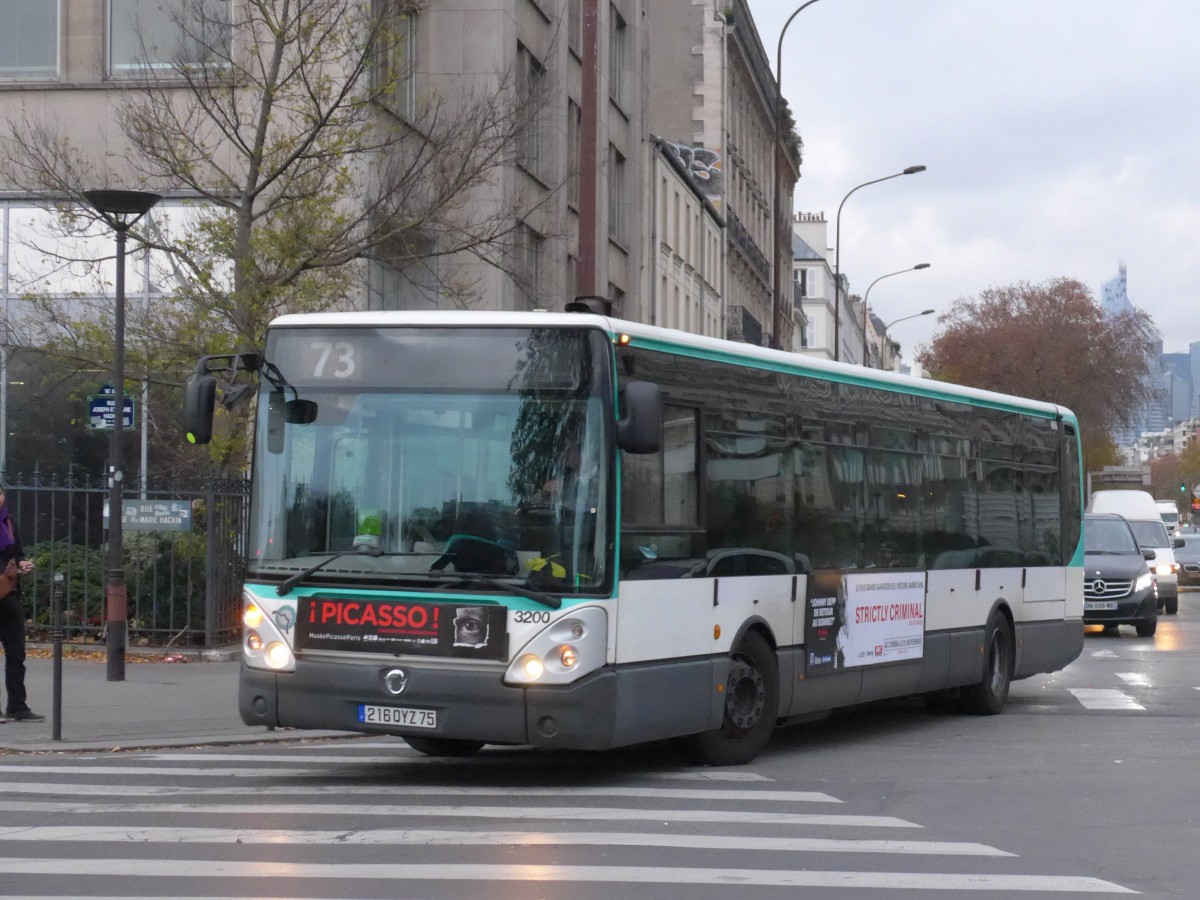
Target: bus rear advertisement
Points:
(568, 530)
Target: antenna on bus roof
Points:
(590, 303)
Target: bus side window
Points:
(660, 502)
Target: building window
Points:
(574, 124)
(527, 269)
(616, 195)
(617, 34)
(153, 34)
(575, 26)
(396, 57)
(405, 274)
(531, 89)
(802, 281)
(616, 297)
(29, 39)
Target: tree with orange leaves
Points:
(1050, 341)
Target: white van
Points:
(1170, 516)
(1141, 510)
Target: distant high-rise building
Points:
(1158, 413)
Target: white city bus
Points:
(569, 530)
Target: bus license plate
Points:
(1099, 604)
(397, 715)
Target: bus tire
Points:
(1147, 627)
(751, 707)
(988, 696)
(443, 746)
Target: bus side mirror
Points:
(639, 430)
(199, 398)
(301, 412)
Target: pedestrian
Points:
(13, 565)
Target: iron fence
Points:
(183, 586)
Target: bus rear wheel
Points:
(443, 746)
(751, 707)
(988, 696)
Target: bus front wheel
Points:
(988, 696)
(443, 746)
(751, 706)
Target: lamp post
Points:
(868, 294)
(777, 277)
(924, 312)
(837, 256)
(120, 210)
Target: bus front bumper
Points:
(609, 708)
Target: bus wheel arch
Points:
(751, 707)
(988, 696)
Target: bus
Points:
(570, 530)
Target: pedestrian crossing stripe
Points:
(126, 792)
(523, 813)
(440, 838)
(1105, 698)
(279, 872)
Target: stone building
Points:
(711, 90)
(74, 63)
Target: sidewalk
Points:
(159, 704)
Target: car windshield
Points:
(1150, 535)
(1190, 549)
(441, 452)
(1108, 536)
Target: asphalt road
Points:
(1089, 783)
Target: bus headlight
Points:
(252, 615)
(1144, 581)
(263, 644)
(563, 651)
(278, 655)
(529, 668)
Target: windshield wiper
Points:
(478, 578)
(288, 583)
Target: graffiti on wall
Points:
(703, 165)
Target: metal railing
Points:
(184, 584)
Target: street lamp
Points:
(837, 256)
(120, 210)
(924, 312)
(868, 294)
(777, 277)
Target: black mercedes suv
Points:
(1118, 588)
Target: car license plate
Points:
(397, 715)
(1099, 604)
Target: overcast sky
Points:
(1062, 137)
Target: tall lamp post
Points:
(777, 277)
(924, 312)
(120, 210)
(868, 294)
(837, 256)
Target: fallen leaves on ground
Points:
(102, 655)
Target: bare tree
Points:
(297, 131)
(1048, 341)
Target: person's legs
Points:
(12, 636)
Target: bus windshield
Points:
(432, 454)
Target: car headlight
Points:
(564, 650)
(1144, 581)
(1164, 569)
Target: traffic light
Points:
(1183, 487)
